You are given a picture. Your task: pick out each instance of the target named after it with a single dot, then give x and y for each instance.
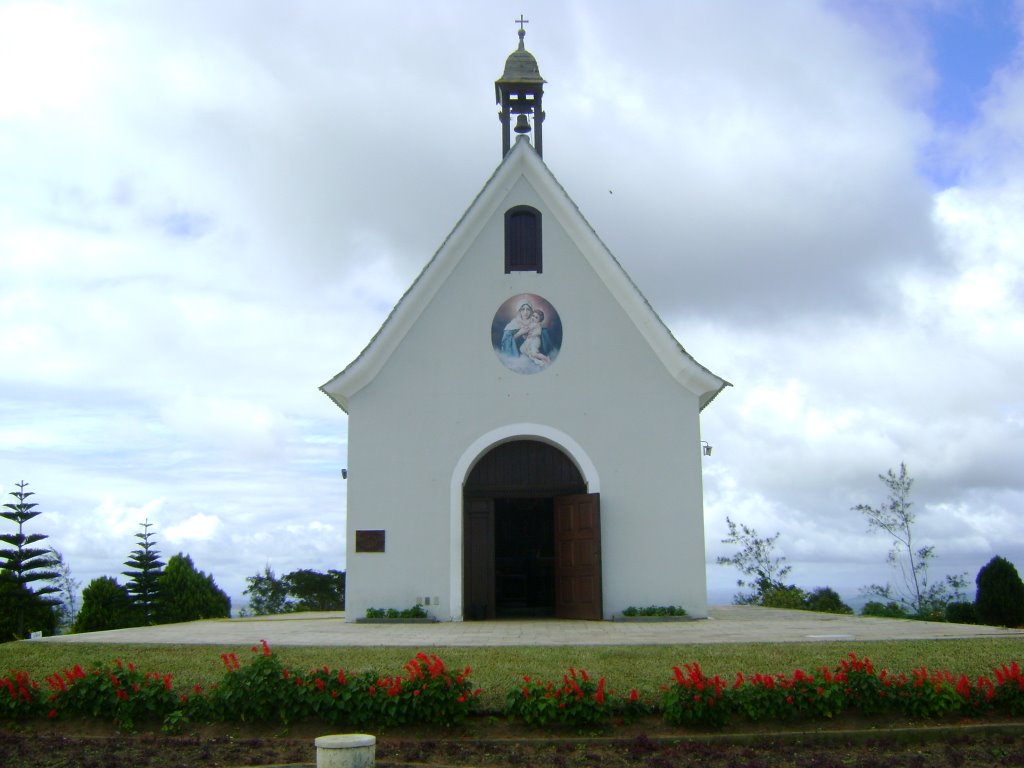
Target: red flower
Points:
(633, 695)
(51, 714)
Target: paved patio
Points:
(726, 624)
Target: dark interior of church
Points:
(524, 557)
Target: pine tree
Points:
(144, 575)
(24, 563)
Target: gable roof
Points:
(523, 160)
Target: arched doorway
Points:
(531, 536)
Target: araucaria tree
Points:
(756, 560)
(26, 564)
(896, 518)
(143, 575)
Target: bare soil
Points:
(489, 742)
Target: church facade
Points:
(524, 431)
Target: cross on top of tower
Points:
(521, 21)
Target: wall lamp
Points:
(705, 447)
(344, 474)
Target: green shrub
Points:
(19, 697)
(106, 604)
(891, 610)
(259, 692)
(783, 596)
(655, 610)
(1000, 596)
(119, 691)
(416, 612)
(695, 699)
(187, 594)
(826, 600)
(961, 613)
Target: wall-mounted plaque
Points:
(369, 541)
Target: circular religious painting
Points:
(526, 333)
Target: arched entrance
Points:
(531, 536)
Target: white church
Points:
(553, 467)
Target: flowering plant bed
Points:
(427, 693)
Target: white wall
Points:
(444, 388)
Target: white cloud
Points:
(207, 211)
(198, 527)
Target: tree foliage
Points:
(25, 563)
(999, 600)
(316, 591)
(826, 600)
(18, 603)
(756, 561)
(106, 604)
(300, 590)
(895, 517)
(187, 594)
(267, 594)
(144, 568)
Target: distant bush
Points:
(1000, 597)
(784, 596)
(891, 610)
(819, 599)
(961, 613)
(826, 600)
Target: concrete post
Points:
(346, 750)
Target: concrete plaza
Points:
(726, 624)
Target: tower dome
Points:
(521, 66)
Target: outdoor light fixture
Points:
(344, 474)
(705, 447)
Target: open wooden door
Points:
(478, 559)
(578, 557)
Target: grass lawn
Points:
(498, 670)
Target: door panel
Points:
(478, 559)
(578, 557)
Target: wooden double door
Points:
(532, 547)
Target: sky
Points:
(208, 209)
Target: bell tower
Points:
(519, 92)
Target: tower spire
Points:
(519, 91)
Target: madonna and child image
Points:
(526, 333)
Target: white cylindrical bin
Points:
(346, 750)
